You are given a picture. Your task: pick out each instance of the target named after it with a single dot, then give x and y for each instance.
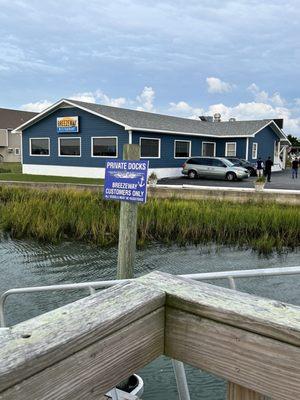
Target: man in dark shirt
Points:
(268, 168)
(295, 165)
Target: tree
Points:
(294, 140)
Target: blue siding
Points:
(240, 146)
(89, 125)
(167, 159)
(265, 139)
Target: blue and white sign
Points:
(67, 124)
(126, 180)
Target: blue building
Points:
(74, 138)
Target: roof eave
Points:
(55, 106)
(165, 131)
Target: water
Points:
(26, 263)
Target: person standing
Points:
(295, 165)
(259, 167)
(268, 168)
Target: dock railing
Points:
(85, 348)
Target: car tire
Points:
(230, 176)
(192, 174)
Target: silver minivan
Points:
(213, 168)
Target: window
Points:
(217, 163)
(182, 148)
(69, 147)
(230, 149)
(104, 146)
(39, 146)
(254, 150)
(17, 151)
(208, 149)
(150, 148)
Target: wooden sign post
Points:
(128, 224)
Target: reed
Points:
(55, 215)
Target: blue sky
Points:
(186, 58)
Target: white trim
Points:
(214, 143)
(226, 150)
(187, 133)
(68, 138)
(55, 106)
(39, 155)
(256, 151)
(190, 148)
(159, 146)
(129, 137)
(88, 172)
(247, 149)
(63, 170)
(21, 149)
(104, 137)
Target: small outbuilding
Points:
(74, 138)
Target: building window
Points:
(39, 146)
(150, 148)
(104, 146)
(182, 148)
(17, 151)
(254, 150)
(230, 149)
(69, 147)
(208, 149)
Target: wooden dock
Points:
(82, 350)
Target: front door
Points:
(208, 149)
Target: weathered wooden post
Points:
(128, 225)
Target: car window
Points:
(217, 163)
(198, 161)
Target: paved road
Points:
(279, 180)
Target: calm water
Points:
(25, 263)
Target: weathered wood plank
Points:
(34, 345)
(259, 363)
(237, 392)
(127, 225)
(266, 317)
(91, 372)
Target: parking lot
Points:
(279, 180)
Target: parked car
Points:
(240, 162)
(213, 168)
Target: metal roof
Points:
(10, 119)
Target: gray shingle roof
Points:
(10, 119)
(145, 120)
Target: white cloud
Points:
(215, 85)
(146, 99)
(261, 96)
(37, 106)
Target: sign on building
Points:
(126, 181)
(67, 124)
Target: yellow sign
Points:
(67, 124)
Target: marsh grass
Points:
(55, 215)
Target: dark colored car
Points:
(239, 162)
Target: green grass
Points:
(55, 215)
(6, 167)
(45, 178)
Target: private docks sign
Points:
(126, 181)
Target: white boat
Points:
(130, 389)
